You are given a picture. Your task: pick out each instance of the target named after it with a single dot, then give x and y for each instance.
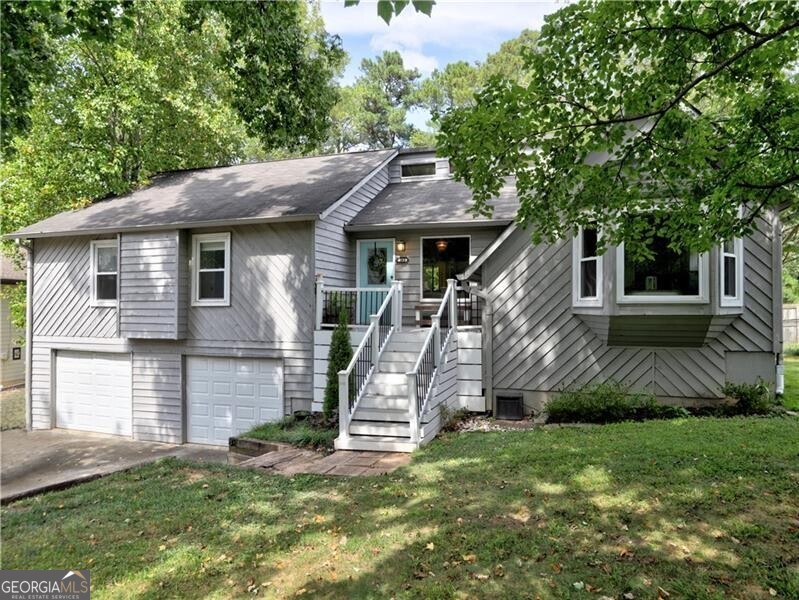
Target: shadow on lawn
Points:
(697, 517)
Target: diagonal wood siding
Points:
(335, 255)
(540, 345)
(62, 291)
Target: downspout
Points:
(776, 269)
(28, 246)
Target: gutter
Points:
(28, 247)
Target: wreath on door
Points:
(377, 261)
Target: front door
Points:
(375, 270)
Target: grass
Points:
(702, 508)
(12, 408)
(299, 432)
(791, 396)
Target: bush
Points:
(750, 398)
(608, 402)
(338, 358)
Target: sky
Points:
(457, 30)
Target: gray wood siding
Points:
(540, 345)
(148, 285)
(410, 272)
(335, 255)
(271, 302)
(62, 291)
(12, 372)
(157, 396)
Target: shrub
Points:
(608, 402)
(308, 432)
(451, 419)
(338, 357)
(751, 398)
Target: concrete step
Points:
(391, 415)
(380, 428)
(380, 402)
(375, 444)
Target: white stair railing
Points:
(422, 378)
(353, 380)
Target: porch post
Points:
(413, 409)
(398, 307)
(453, 302)
(320, 299)
(343, 405)
(436, 326)
(375, 326)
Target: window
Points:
(211, 269)
(586, 268)
(104, 272)
(442, 259)
(668, 277)
(419, 169)
(731, 273)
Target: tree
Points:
(152, 99)
(688, 110)
(387, 9)
(27, 45)
(373, 111)
(338, 359)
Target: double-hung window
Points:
(104, 272)
(731, 273)
(211, 269)
(586, 268)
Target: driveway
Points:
(36, 461)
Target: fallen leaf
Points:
(470, 558)
(557, 567)
(430, 546)
(499, 571)
(162, 547)
(663, 593)
(578, 585)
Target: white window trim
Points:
(577, 260)
(94, 245)
(420, 161)
(421, 260)
(701, 298)
(196, 239)
(738, 253)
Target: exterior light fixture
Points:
(400, 245)
(441, 245)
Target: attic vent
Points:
(419, 170)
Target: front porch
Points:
(407, 369)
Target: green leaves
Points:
(627, 107)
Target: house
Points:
(202, 304)
(12, 358)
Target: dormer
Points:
(418, 164)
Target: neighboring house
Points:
(12, 356)
(194, 308)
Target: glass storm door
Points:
(375, 270)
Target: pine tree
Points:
(339, 356)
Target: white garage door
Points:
(228, 396)
(93, 392)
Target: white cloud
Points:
(467, 29)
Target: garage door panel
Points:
(227, 397)
(93, 392)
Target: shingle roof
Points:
(9, 271)
(292, 189)
(440, 201)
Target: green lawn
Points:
(702, 508)
(791, 396)
(12, 408)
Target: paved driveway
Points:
(40, 460)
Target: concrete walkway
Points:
(38, 461)
(292, 461)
